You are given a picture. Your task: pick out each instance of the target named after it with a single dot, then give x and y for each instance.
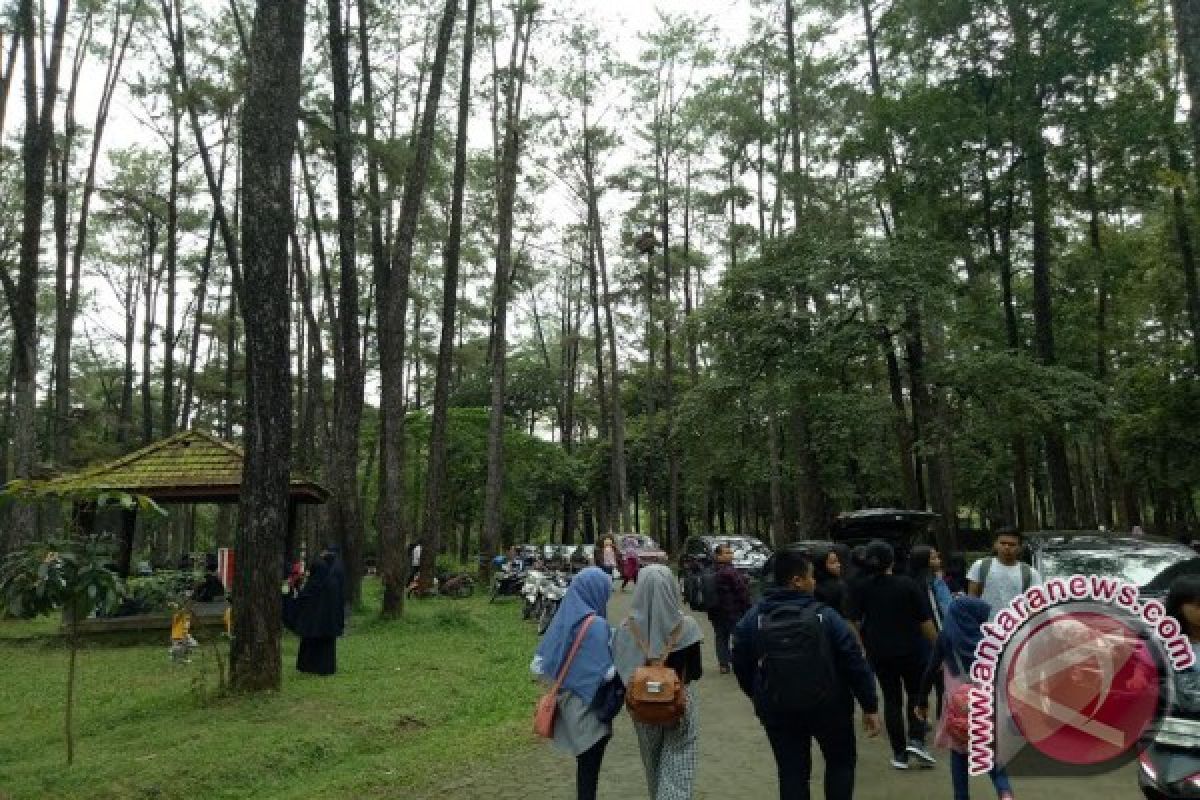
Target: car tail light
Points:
(1148, 768)
(1194, 781)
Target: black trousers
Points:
(723, 633)
(792, 746)
(587, 770)
(900, 680)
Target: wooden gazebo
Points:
(189, 467)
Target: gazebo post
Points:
(83, 517)
(125, 554)
(289, 541)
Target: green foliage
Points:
(68, 575)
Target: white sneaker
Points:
(924, 759)
(899, 763)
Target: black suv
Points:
(900, 528)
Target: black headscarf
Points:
(337, 575)
(918, 565)
(830, 588)
(317, 612)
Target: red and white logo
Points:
(1082, 687)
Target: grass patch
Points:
(415, 703)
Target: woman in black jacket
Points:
(316, 616)
(892, 615)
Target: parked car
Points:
(750, 555)
(648, 551)
(555, 556)
(900, 528)
(1149, 563)
(580, 556)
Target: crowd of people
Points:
(841, 628)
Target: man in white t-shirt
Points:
(415, 562)
(998, 579)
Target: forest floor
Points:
(435, 706)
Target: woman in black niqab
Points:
(315, 615)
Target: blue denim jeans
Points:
(959, 777)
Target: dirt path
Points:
(735, 761)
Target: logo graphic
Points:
(1070, 675)
(1082, 688)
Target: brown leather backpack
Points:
(656, 694)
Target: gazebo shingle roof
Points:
(189, 467)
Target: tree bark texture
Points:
(436, 518)
(349, 381)
(22, 294)
(268, 137)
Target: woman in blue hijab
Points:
(953, 655)
(583, 724)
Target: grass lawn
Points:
(415, 703)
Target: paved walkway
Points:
(735, 760)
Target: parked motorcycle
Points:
(531, 592)
(507, 582)
(554, 589)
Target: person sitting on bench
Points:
(210, 588)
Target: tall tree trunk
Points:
(688, 306)
(779, 532)
(22, 294)
(914, 490)
(436, 518)
(7, 71)
(150, 287)
(619, 475)
(925, 406)
(177, 39)
(666, 149)
(130, 304)
(793, 92)
(268, 137)
(392, 288)
(1187, 24)
(61, 160)
(349, 380)
(64, 327)
(506, 192)
(172, 267)
(604, 513)
(1033, 148)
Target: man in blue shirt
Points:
(839, 665)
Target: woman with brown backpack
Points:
(656, 651)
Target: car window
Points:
(1138, 567)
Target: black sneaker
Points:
(918, 751)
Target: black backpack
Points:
(796, 662)
(702, 590)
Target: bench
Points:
(204, 615)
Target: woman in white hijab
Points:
(655, 625)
